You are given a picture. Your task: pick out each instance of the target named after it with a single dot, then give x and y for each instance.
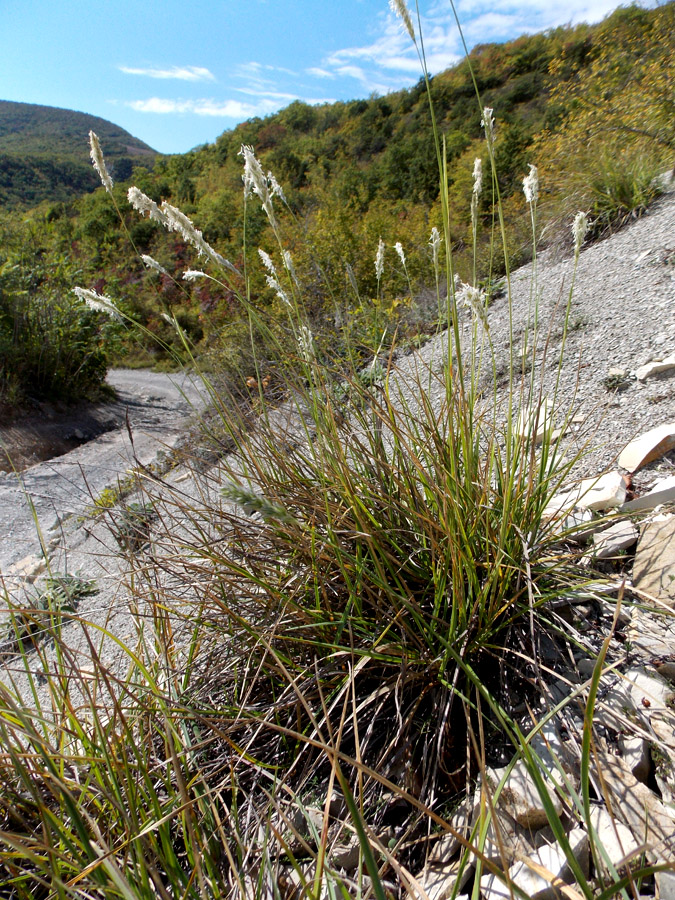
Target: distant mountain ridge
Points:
(44, 153)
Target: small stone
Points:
(613, 706)
(28, 568)
(649, 820)
(610, 542)
(647, 686)
(636, 755)
(653, 636)
(438, 881)
(649, 446)
(616, 838)
(662, 492)
(665, 882)
(666, 670)
(658, 367)
(505, 840)
(586, 667)
(578, 526)
(654, 567)
(346, 856)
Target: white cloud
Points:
(319, 73)
(390, 61)
(181, 73)
(273, 95)
(225, 109)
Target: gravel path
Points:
(158, 408)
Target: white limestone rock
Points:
(662, 492)
(605, 492)
(520, 798)
(635, 752)
(614, 837)
(610, 542)
(649, 446)
(656, 367)
(550, 857)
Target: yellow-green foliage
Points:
(575, 101)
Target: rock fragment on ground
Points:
(521, 799)
(439, 881)
(662, 492)
(605, 492)
(613, 540)
(616, 839)
(656, 367)
(654, 567)
(636, 754)
(536, 876)
(650, 821)
(649, 446)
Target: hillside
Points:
(44, 156)
(591, 106)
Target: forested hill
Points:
(590, 106)
(44, 154)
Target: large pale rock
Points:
(662, 492)
(649, 446)
(649, 820)
(665, 882)
(572, 505)
(636, 755)
(438, 881)
(657, 367)
(619, 536)
(614, 837)
(648, 689)
(504, 839)
(605, 492)
(537, 880)
(654, 567)
(520, 798)
(651, 635)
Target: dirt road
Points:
(157, 407)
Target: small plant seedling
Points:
(618, 382)
(60, 593)
(132, 528)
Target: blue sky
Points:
(177, 74)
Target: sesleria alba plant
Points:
(343, 619)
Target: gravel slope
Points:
(622, 315)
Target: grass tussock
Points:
(338, 627)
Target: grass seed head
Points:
(99, 162)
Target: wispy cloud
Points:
(181, 73)
(390, 61)
(224, 109)
(319, 73)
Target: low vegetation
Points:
(338, 635)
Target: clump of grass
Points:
(621, 189)
(345, 636)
